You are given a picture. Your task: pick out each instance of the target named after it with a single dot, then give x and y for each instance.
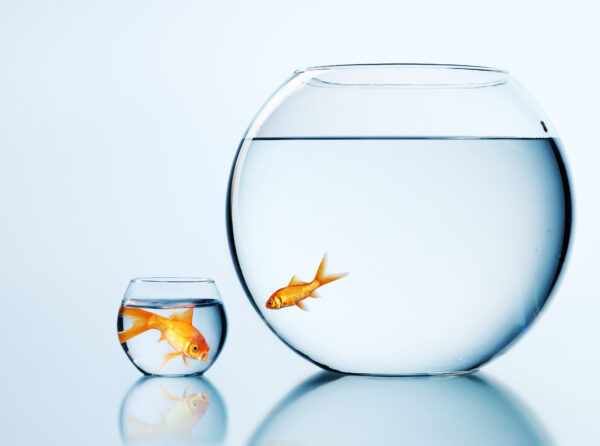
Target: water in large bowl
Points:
(451, 245)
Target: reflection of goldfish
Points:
(177, 330)
(297, 290)
(180, 420)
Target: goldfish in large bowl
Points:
(172, 326)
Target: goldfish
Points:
(297, 290)
(177, 330)
(178, 421)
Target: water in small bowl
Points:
(171, 336)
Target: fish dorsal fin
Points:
(184, 316)
(296, 281)
(185, 392)
(169, 396)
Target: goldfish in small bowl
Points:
(172, 326)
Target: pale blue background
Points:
(119, 120)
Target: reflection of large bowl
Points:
(173, 411)
(441, 191)
(429, 411)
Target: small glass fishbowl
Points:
(172, 326)
(439, 193)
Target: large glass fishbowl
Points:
(399, 219)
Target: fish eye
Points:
(195, 348)
(195, 404)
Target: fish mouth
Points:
(204, 357)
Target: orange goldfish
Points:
(179, 421)
(297, 290)
(177, 330)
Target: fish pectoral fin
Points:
(169, 396)
(168, 357)
(302, 306)
(185, 316)
(162, 337)
(314, 294)
(185, 361)
(296, 281)
(185, 392)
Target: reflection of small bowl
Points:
(351, 410)
(172, 411)
(172, 326)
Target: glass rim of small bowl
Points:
(174, 279)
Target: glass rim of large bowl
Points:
(172, 280)
(405, 75)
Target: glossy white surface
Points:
(118, 125)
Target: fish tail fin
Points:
(142, 321)
(136, 422)
(142, 431)
(322, 277)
